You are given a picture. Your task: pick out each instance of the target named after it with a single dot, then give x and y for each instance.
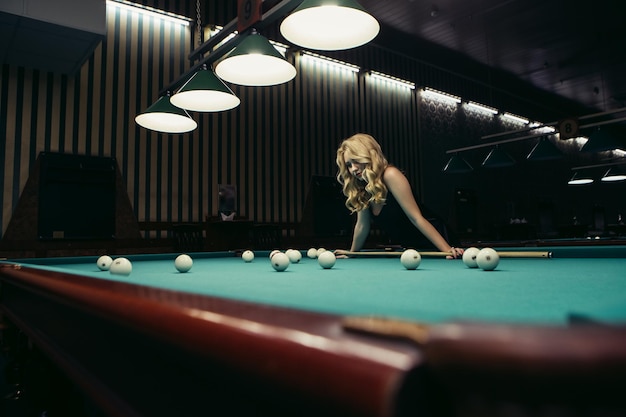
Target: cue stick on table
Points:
(416, 332)
(503, 254)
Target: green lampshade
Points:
(205, 92)
(544, 150)
(602, 139)
(581, 177)
(329, 25)
(616, 173)
(255, 62)
(164, 117)
(457, 165)
(497, 158)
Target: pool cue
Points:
(504, 254)
(416, 332)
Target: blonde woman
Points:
(378, 191)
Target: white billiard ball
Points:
(121, 266)
(312, 253)
(247, 256)
(320, 251)
(469, 257)
(183, 263)
(294, 256)
(410, 259)
(104, 262)
(326, 259)
(274, 252)
(487, 259)
(280, 261)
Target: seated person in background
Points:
(377, 190)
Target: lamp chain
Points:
(198, 22)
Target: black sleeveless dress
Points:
(399, 230)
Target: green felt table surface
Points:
(576, 282)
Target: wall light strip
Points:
(150, 12)
(546, 129)
(393, 80)
(515, 118)
(217, 29)
(310, 56)
(280, 47)
(482, 107)
(440, 95)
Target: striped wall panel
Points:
(269, 146)
(92, 112)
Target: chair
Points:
(266, 236)
(188, 237)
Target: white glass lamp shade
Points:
(329, 25)
(614, 174)
(255, 62)
(164, 117)
(580, 178)
(206, 93)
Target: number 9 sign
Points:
(248, 13)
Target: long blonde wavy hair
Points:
(365, 150)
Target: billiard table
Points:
(536, 336)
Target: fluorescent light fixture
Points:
(329, 25)
(440, 95)
(392, 80)
(580, 141)
(515, 118)
(217, 29)
(331, 62)
(547, 130)
(280, 47)
(481, 108)
(149, 12)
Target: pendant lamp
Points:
(581, 177)
(544, 150)
(329, 25)
(206, 93)
(163, 116)
(497, 158)
(616, 173)
(255, 62)
(457, 165)
(601, 140)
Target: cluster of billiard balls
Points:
(117, 266)
(486, 259)
(281, 260)
(122, 266)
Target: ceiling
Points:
(571, 48)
